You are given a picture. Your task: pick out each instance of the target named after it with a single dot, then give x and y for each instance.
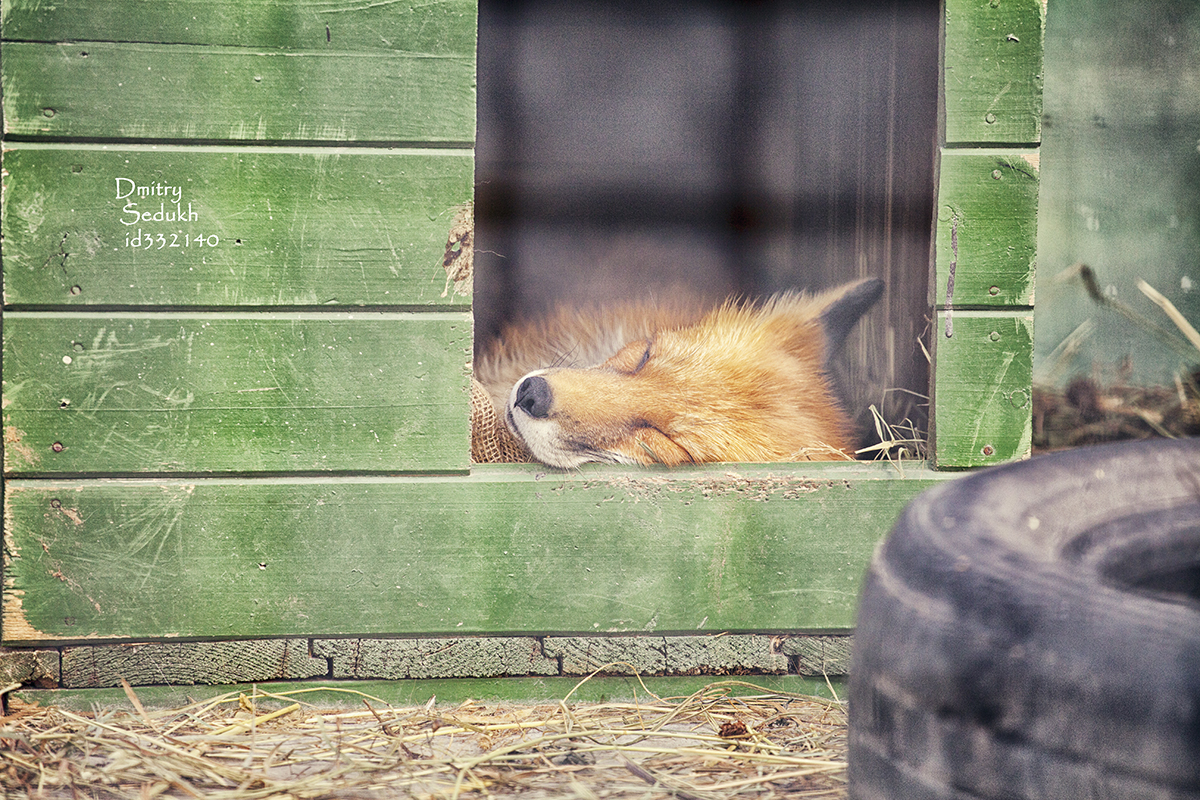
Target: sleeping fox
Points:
(678, 383)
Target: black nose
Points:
(533, 397)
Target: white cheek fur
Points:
(541, 436)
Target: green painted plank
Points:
(235, 227)
(992, 71)
(194, 92)
(987, 208)
(446, 692)
(501, 551)
(158, 393)
(445, 28)
(984, 373)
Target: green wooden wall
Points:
(235, 384)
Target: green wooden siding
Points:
(506, 550)
(984, 374)
(302, 71)
(151, 91)
(229, 226)
(985, 238)
(444, 29)
(279, 392)
(992, 71)
(986, 229)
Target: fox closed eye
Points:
(645, 357)
(632, 357)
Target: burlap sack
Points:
(491, 440)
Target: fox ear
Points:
(845, 306)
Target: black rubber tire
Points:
(1033, 631)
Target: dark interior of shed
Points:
(721, 147)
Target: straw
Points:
(707, 745)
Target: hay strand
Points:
(705, 746)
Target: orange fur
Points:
(671, 384)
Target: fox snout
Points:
(567, 417)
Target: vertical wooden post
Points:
(985, 231)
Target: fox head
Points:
(741, 382)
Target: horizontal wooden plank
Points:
(158, 393)
(986, 249)
(446, 691)
(192, 92)
(186, 663)
(466, 657)
(140, 226)
(505, 550)
(992, 71)
(666, 655)
(30, 667)
(445, 28)
(982, 388)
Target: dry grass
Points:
(238, 747)
(1089, 411)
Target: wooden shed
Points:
(236, 375)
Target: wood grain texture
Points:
(986, 249)
(502, 551)
(149, 91)
(247, 72)
(667, 655)
(982, 400)
(445, 28)
(190, 663)
(398, 659)
(29, 667)
(819, 655)
(992, 71)
(154, 393)
(227, 226)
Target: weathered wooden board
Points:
(992, 71)
(228, 226)
(986, 250)
(503, 551)
(184, 663)
(432, 657)
(666, 655)
(30, 667)
(445, 28)
(103, 90)
(982, 398)
(94, 393)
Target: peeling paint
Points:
(16, 626)
(760, 489)
(18, 454)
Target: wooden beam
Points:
(985, 232)
(506, 550)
